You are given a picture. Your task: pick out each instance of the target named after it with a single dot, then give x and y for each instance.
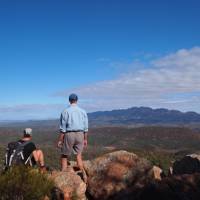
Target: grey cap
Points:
(28, 131)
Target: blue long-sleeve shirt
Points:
(73, 119)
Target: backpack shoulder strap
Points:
(28, 160)
(22, 144)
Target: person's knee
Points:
(39, 152)
(35, 155)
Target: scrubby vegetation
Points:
(22, 183)
(160, 145)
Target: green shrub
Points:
(21, 183)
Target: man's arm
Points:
(63, 122)
(85, 122)
(86, 130)
(60, 139)
(62, 130)
(85, 139)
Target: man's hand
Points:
(85, 139)
(60, 140)
(59, 144)
(85, 142)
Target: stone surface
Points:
(182, 187)
(68, 186)
(122, 175)
(114, 172)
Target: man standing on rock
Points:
(73, 132)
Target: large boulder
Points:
(187, 165)
(114, 172)
(69, 186)
(180, 187)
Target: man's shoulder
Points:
(65, 110)
(28, 142)
(30, 145)
(31, 142)
(70, 109)
(81, 109)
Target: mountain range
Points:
(143, 115)
(135, 116)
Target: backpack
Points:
(14, 154)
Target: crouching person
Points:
(24, 152)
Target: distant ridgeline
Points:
(131, 116)
(143, 116)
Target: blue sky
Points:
(113, 53)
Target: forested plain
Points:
(160, 145)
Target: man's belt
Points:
(74, 131)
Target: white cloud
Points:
(172, 81)
(171, 75)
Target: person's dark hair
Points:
(73, 101)
(27, 135)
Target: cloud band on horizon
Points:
(172, 81)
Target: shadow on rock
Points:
(184, 187)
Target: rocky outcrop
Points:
(183, 187)
(123, 175)
(114, 172)
(187, 165)
(68, 186)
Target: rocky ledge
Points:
(124, 175)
